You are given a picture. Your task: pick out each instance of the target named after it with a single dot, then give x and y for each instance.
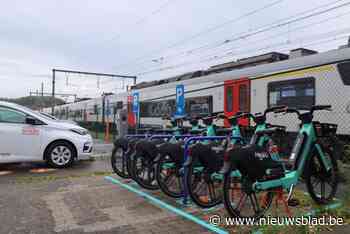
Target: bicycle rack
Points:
(185, 167)
(137, 136)
(156, 136)
(167, 136)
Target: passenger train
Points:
(300, 79)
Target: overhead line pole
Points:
(42, 96)
(82, 73)
(96, 74)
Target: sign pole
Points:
(107, 130)
(107, 135)
(53, 92)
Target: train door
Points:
(237, 97)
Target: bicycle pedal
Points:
(293, 202)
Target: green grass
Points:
(346, 158)
(48, 178)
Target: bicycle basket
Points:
(325, 129)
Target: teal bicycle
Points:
(255, 174)
(169, 164)
(124, 147)
(204, 162)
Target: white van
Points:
(26, 135)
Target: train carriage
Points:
(322, 78)
(319, 78)
(325, 84)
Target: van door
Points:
(18, 141)
(237, 98)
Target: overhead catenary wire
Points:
(282, 24)
(264, 48)
(144, 18)
(211, 29)
(265, 28)
(276, 24)
(271, 46)
(229, 50)
(294, 30)
(290, 42)
(277, 45)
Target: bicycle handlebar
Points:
(279, 111)
(274, 109)
(223, 116)
(321, 107)
(311, 110)
(246, 115)
(256, 115)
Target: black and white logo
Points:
(261, 155)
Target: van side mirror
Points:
(30, 120)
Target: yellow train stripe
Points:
(325, 68)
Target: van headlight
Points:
(82, 132)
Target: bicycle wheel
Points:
(241, 201)
(144, 171)
(204, 188)
(168, 177)
(321, 185)
(118, 162)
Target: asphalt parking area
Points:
(77, 200)
(36, 199)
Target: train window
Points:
(157, 109)
(344, 70)
(199, 105)
(243, 98)
(229, 99)
(296, 93)
(196, 105)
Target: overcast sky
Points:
(153, 39)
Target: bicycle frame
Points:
(235, 138)
(262, 139)
(236, 134)
(187, 161)
(305, 143)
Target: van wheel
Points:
(60, 154)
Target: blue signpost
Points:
(135, 102)
(180, 101)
